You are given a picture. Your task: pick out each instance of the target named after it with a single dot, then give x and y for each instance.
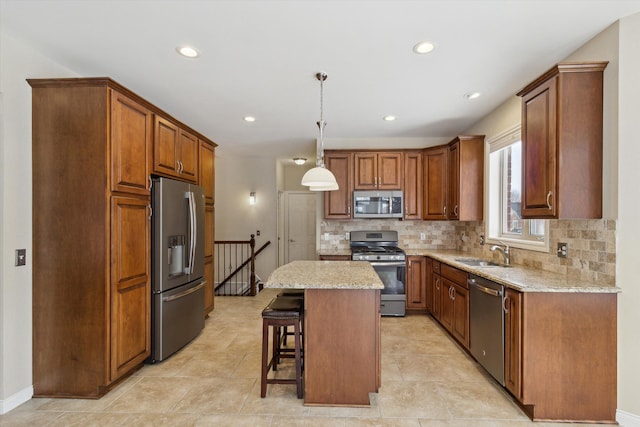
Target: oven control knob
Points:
(378, 257)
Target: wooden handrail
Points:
(251, 259)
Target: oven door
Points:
(392, 274)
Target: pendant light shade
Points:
(320, 178)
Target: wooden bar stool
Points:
(281, 312)
(290, 293)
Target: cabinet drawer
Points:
(457, 276)
(436, 266)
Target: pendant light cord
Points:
(321, 124)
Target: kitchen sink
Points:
(475, 262)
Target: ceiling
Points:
(260, 58)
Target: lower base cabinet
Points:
(559, 349)
(416, 288)
(567, 366)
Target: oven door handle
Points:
(388, 264)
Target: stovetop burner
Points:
(375, 246)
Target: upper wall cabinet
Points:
(207, 171)
(412, 185)
(378, 170)
(131, 130)
(337, 204)
(562, 142)
(434, 198)
(453, 177)
(175, 151)
(465, 178)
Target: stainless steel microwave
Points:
(377, 204)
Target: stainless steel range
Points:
(381, 249)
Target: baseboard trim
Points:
(627, 419)
(16, 400)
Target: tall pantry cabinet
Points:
(92, 160)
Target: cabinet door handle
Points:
(444, 209)
(150, 211)
(455, 210)
(549, 200)
(505, 304)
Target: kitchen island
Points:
(341, 328)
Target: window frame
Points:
(493, 205)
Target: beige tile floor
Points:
(215, 381)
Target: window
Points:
(505, 222)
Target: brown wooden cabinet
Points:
(453, 180)
(131, 132)
(512, 342)
(567, 365)
(465, 178)
(175, 150)
(209, 236)
(377, 170)
(412, 185)
(454, 309)
(131, 273)
(436, 290)
(434, 183)
(91, 150)
(562, 142)
(337, 204)
(206, 170)
(416, 286)
(91, 235)
(335, 257)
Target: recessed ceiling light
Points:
(188, 51)
(389, 118)
(472, 95)
(250, 119)
(423, 47)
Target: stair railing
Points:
(235, 269)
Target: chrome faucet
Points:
(502, 248)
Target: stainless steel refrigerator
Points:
(177, 300)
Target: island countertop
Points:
(325, 275)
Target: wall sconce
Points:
(299, 161)
(252, 198)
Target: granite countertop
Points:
(325, 275)
(518, 277)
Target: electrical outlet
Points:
(563, 250)
(21, 257)
(423, 236)
(347, 235)
(257, 232)
(326, 236)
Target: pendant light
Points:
(320, 178)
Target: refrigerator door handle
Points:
(185, 293)
(192, 230)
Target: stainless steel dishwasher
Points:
(487, 325)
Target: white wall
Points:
(18, 62)
(235, 219)
(628, 229)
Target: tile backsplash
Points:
(591, 255)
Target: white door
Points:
(300, 226)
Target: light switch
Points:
(21, 257)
